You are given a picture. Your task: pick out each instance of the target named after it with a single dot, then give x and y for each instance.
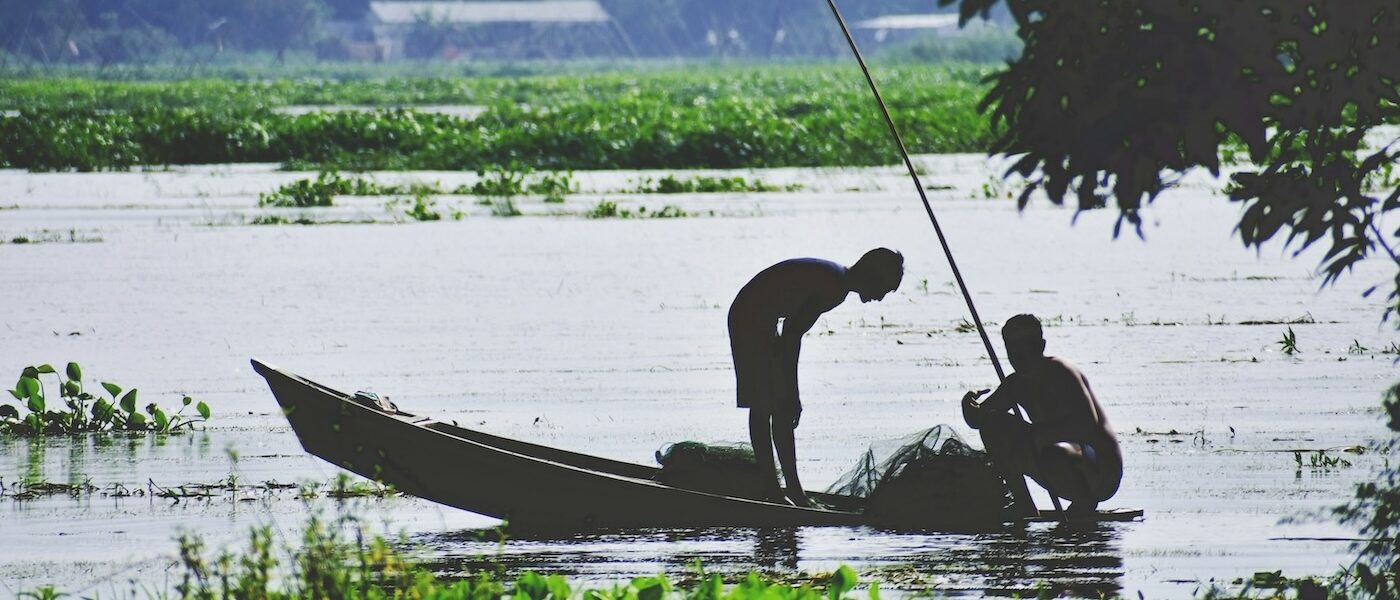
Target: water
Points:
(608, 336)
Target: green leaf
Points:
(136, 421)
(840, 582)
(28, 387)
(203, 409)
(162, 422)
(152, 408)
(16, 394)
(187, 400)
(46, 368)
(36, 404)
(71, 388)
(128, 401)
(112, 388)
(30, 372)
(8, 412)
(101, 410)
(75, 372)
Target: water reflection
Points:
(1084, 562)
(94, 457)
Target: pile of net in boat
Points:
(725, 469)
(930, 479)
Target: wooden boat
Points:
(528, 485)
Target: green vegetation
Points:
(1273, 584)
(85, 412)
(715, 118)
(503, 206)
(604, 209)
(1375, 511)
(1319, 460)
(282, 220)
(1289, 343)
(670, 184)
(608, 209)
(338, 559)
(307, 192)
(499, 182)
(424, 208)
(554, 186)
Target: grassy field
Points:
(722, 117)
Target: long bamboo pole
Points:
(1019, 491)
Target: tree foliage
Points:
(1116, 99)
(104, 31)
(1376, 512)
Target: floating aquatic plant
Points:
(79, 411)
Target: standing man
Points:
(1068, 447)
(766, 323)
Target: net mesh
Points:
(932, 478)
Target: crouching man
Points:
(1068, 447)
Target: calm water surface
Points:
(608, 336)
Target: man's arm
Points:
(999, 402)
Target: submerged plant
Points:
(1289, 343)
(306, 193)
(1376, 510)
(670, 184)
(670, 211)
(423, 208)
(604, 209)
(84, 412)
(1319, 460)
(499, 182)
(504, 206)
(554, 186)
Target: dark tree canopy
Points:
(1117, 98)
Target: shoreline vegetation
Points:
(339, 558)
(722, 117)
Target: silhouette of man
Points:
(766, 323)
(1068, 447)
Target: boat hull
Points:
(526, 485)
(536, 487)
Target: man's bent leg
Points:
(1008, 442)
(761, 437)
(786, 443)
(1061, 469)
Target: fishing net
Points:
(725, 469)
(930, 479)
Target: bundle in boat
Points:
(724, 469)
(929, 479)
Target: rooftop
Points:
(519, 11)
(929, 21)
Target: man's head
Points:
(1025, 342)
(876, 274)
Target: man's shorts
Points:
(760, 372)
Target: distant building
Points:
(895, 27)
(471, 29)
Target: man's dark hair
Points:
(1024, 322)
(883, 265)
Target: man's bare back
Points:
(1068, 447)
